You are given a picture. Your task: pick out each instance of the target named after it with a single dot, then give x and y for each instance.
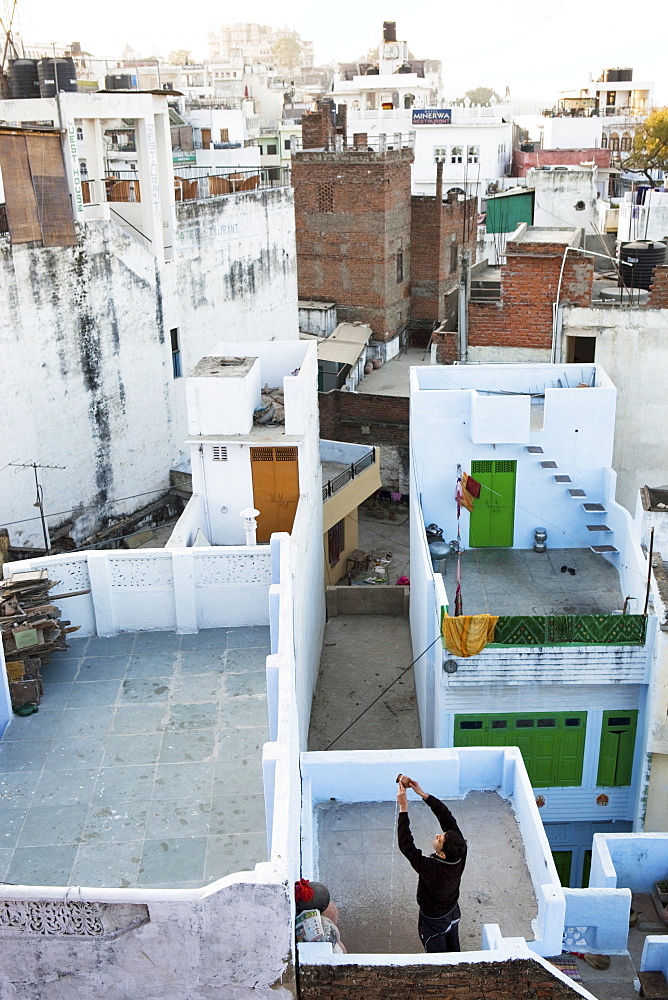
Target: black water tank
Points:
(405, 68)
(643, 256)
(65, 73)
(23, 79)
(118, 81)
(389, 31)
(527, 147)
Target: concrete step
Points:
(576, 493)
(534, 449)
(598, 527)
(601, 549)
(594, 508)
(549, 465)
(562, 479)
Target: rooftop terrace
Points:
(360, 863)
(524, 582)
(122, 777)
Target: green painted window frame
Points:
(617, 748)
(553, 754)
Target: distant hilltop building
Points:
(255, 42)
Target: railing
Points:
(579, 630)
(333, 486)
(191, 184)
(200, 183)
(372, 143)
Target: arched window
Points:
(409, 100)
(614, 142)
(474, 154)
(79, 133)
(456, 154)
(604, 141)
(626, 143)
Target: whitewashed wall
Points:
(571, 133)
(557, 192)
(85, 333)
(631, 346)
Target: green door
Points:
(493, 517)
(562, 862)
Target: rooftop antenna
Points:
(39, 502)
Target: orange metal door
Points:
(275, 475)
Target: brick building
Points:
(353, 223)
(514, 322)
(523, 161)
(437, 239)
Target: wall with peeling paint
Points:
(85, 345)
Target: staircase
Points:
(599, 529)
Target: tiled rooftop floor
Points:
(122, 777)
(524, 582)
(374, 886)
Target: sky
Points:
(536, 50)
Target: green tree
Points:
(179, 57)
(650, 146)
(481, 95)
(288, 52)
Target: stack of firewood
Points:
(31, 631)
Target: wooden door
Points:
(206, 138)
(492, 522)
(275, 475)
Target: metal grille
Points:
(334, 485)
(477, 467)
(286, 454)
(219, 453)
(262, 454)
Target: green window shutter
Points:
(625, 757)
(569, 759)
(544, 758)
(470, 731)
(607, 759)
(618, 737)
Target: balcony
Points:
(343, 473)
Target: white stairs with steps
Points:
(597, 529)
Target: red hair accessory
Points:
(303, 891)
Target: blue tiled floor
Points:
(143, 765)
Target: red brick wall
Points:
(658, 295)
(353, 216)
(343, 414)
(432, 237)
(522, 162)
(318, 129)
(529, 284)
(521, 979)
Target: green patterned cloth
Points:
(581, 630)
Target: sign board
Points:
(183, 156)
(432, 116)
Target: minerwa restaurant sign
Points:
(432, 116)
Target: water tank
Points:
(527, 147)
(118, 81)
(23, 78)
(405, 68)
(62, 70)
(643, 256)
(389, 31)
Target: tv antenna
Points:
(39, 501)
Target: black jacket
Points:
(438, 883)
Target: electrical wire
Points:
(92, 506)
(383, 692)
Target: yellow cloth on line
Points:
(465, 498)
(467, 635)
